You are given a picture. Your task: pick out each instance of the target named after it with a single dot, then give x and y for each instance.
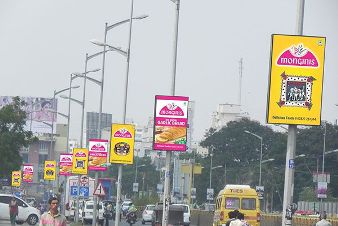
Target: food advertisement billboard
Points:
(122, 144)
(49, 170)
(28, 172)
(80, 161)
(66, 163)
(98, 153)
(170, 125)
(16, 178)
(296, 80)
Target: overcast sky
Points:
(43, 41)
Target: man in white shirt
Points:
(322, 221)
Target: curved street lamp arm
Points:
(97, 54)
(125, 21)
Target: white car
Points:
(87, 212)
(186, 215)
(27, 213)
(148, 214)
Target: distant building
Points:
(92, 124)
(226, 113)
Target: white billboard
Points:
(39, 111)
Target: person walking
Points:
(53, 217)
(13, 210)
(322, 221)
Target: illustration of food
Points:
(172, 133)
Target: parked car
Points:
(87, 212)
(27, 213)
(186, 215)
(148, 214)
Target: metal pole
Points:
(323, 165)
(260, 163)
(119, 178)
(292, 133)
(100, 119)
(210, 173)
(166, 197)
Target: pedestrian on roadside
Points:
(13, 210)
(53, 217)
(232, 216)
(322, 221)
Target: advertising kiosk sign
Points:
(296, 80)
(170, 126)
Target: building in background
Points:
(190, 129)
(226, 113)
(38, 152)
(92, 124)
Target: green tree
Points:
(12, 136)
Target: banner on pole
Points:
(49, 170)
(296, 80)
(170, 125)
(122, 144)
(66, 164)
(98, 153)
(16, 178)
(80, 161)
(28, 172)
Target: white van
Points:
(87, 212)
(27, 213)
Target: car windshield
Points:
(90, 206)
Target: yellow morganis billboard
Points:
(16, 178)
(49, 170)
(80, 161)
(296, 80)
(122, 144)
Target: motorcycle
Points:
(131, 218)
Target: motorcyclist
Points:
(131, 209)
(131, 214)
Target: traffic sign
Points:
(84, 191)
(99, 190)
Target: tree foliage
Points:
(239, 154)
(12, 136)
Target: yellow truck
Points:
(237, 197)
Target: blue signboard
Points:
(84, 191)
(107, 186)
(291, 163)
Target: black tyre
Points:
(32, 219)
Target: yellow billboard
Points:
(80, 161)
(296, 80)
(16, 178)
(49, 170)
(122, 144)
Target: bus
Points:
(237, 197)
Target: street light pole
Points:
(260, 157)
(166, 192)
(292, 138)
(78, 182)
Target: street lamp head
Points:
(141, 17)
(75, 87)
(98, 43)
(64, 97)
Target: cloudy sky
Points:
(42, 42)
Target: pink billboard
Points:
(98, 153)
(28, 173)
(66, 161)
(170, 124)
